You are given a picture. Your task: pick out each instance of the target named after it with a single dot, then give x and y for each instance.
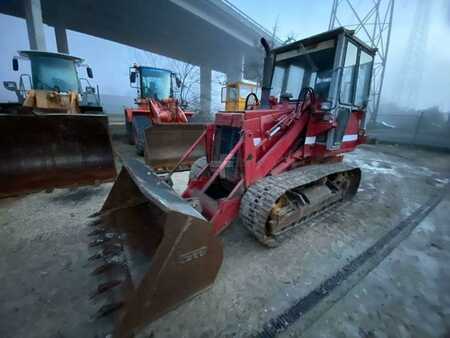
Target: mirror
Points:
(89, 90)
(178, 81)
(89, 72)
(15, 64)
(132, 77)
(10, 85)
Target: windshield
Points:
(53, 73)
(295, 70)
(155, 83)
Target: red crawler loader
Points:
(275, 165)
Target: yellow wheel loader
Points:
(56, 135)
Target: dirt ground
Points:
(45, 281)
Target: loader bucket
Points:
(166, 143)
(42, 152)
(154, 251)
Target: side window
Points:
(295, 80)
(232, 94)
(277, 81)
(363, 81)
(323, 83)
(347, 78)
(244, 91)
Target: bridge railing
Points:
(238, 12)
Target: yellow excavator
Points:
(56, 134)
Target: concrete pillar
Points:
(233, 76)
(35, 25)
(61, 39)
(205, 89)
(235, 71)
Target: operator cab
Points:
(235, 95)
(54, 72)
(336, 65)
(154, 83)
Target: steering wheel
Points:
(251, 100)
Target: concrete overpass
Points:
(212, 34)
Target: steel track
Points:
(260, 198)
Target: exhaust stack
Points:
(267, 75)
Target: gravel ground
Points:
(45, 281)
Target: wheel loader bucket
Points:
(166, 143)
(154, 251)
(46, 151)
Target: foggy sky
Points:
(300, 18)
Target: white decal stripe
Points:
(257, 141)
(310, 140)
(349, 138)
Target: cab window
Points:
(245, 90)
(347, 79)
(363, 79)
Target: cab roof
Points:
(329, 35)
(28, 53)
(155, 68)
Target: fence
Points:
(425, 129)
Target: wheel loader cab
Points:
(234, 95)
(55, 72)
(155, 83)
(55, 84)
(336, 65)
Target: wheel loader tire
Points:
(140, 123)
(197, 166)
(129, 130)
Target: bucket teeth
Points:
(95, 214)
(108, 309)
(105, 238)
(96, 232)
(104, 287)
(99, 241)
(95, 222)
(96, 256)
(105, 267)
(108, 252)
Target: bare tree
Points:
(188, 93)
